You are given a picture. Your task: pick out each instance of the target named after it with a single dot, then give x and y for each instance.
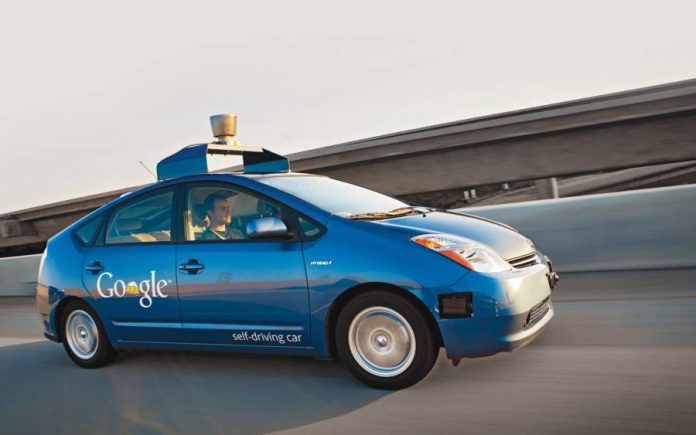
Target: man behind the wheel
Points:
(219, 212)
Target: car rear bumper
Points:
(509, 310)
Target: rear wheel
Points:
(385, 341)
(84, 337)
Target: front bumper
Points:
(510, 309)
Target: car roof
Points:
(268, 175)
(212, 176)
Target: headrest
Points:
(266, 209)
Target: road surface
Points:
(619, 357)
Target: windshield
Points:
(335, 196)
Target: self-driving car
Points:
(269, 260)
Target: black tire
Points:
(103, 352)
(368, 312)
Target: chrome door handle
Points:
(94, 267)
(192, 267)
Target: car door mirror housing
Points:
(266, 227)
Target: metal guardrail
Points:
(643, 229)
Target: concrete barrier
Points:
(18, 275)
(642, 229)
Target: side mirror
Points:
(266, 227)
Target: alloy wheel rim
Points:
(82, 334)
(382, 341)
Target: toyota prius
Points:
(269, 260)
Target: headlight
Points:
(466, 252)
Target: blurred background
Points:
(573, 122)
(455, 105)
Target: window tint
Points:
(308, 228)
(143, 221)
(222, 213)
(86, 233)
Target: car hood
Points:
(505, 241)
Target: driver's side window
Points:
(217, 212)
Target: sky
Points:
(89, 89)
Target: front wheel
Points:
(84, 337)
(385, 341)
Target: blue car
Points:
(269, 260)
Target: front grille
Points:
(538, 311)
(524, 261)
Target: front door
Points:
(131, 272)
(234, 290)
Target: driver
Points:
(219, 212)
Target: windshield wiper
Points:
(401, 211)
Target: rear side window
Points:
(142, 221)
(87, 232)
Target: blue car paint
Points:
(482, 231)
(304, 280)
(255, 285)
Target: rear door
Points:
(131, 269)
(234, 290)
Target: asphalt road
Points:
(620, 357)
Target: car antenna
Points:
(147, 169)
